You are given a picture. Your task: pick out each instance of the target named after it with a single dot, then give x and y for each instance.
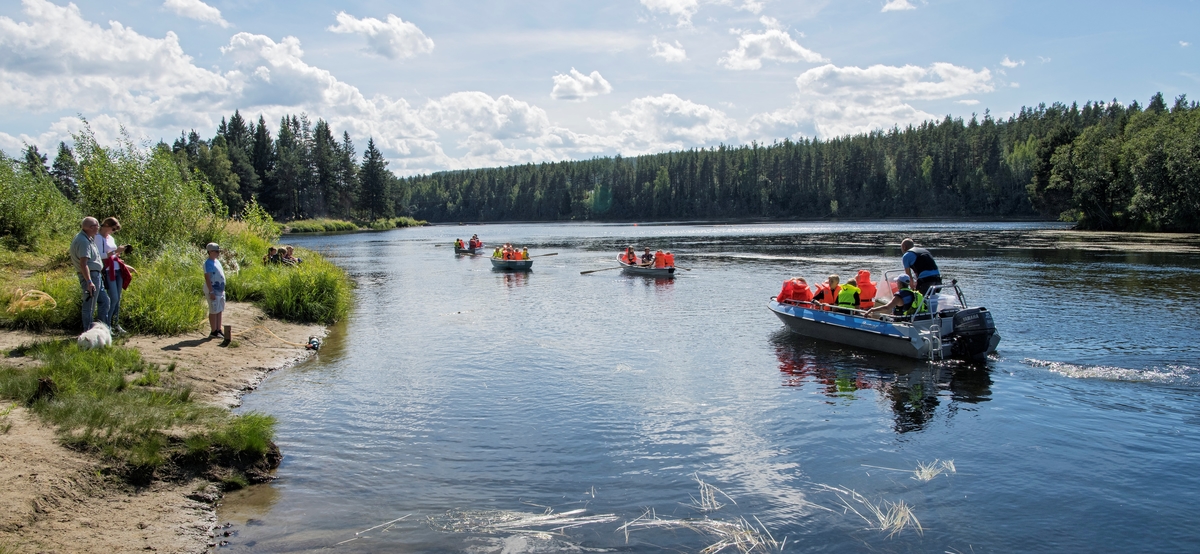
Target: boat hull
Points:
(661, 272)
(470, 251)
(918, 340)
(512, 265)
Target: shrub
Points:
(316, 291)
(61, 285)
(32, 209)
(320, 226)
(166, 297)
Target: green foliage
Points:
(94, 408)
(62, 285)
(32, 209)
(166, 296)
(320, 226)
(260, 222)
(315, 291)
(401, 222)
(155, 201)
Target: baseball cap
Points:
(212, 247)
(902, 279)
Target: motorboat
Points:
(944, 327)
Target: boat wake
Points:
(1171, 374)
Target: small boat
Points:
(946, 329)
(470, 251)
(647, 271)
(512, 265)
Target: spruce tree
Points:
(373, 201)
(65, 172)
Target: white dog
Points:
(99, 335)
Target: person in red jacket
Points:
(867, 288)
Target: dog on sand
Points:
(98, 336)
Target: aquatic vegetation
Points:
(929, 471)
(504, 521)
(892, 517)
(708, 497)
(738, 534)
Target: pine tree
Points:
(35, 162)
(374, 178)
(65, 172)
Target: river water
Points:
(466, 403)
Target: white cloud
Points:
(772, 44)
(969, 102)
(1043, 59)
(477, 112)
(836, 101)
(579, 87)
(1184, 44)
(683, 9)
(897, 5)
(393, 39)
(752, 6)
(1006, 62)
(668, 52)
(666, 122)
(195, 9)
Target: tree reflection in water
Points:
(914, 389)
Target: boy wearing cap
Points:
(905, 302)
(214, 287)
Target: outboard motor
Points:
(973, 330)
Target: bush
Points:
(316, 291)
(61, 285)
(166, 297)
(31, 208)
(320, 226)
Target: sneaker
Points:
(120, 330)
(216, 335)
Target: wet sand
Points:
(54, 499)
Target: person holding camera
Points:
(116, 273)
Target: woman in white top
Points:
(113, 280)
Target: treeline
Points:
(300, 171)
(1105, 165)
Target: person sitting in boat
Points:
(525, 253)
(660, 260)
(496, 253)
(864, 283)
(475, 242)
(629, 256)
(848, 296)
(670, 259)
(905, 302)
(647, 257)
(827, 292)
(795, 291)
(458, 244)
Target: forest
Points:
(1105, 166)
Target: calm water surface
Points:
(457, 398)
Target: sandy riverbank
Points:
(54, 499)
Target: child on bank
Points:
(214, 287)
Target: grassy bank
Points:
(136, 415)
(338, 225)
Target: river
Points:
(461, 409)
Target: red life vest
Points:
(866, 299)
(670, 259)
(825, 296)
(660, 260)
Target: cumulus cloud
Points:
(393, 39)
(1184, 44)
(578, 87)
(670, 53)
(752, 6)
(897, 5)
(835, 101)
(666, 122)
(1006, 62)
(195, 9)
(683, 9)
(772, 44)
(968, 102)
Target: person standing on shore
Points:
(919, 265)
(85, 256)
(214, 286)
(116, 273)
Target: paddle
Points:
(683, 268)
(595, 270)
(544, 255)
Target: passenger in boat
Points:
(660, 260)
(496, 253)
(475, 242)
(458, 244)
(905, 302)
(919, 265)
(848, 296)
(795, 291)
(827, 292)
(525, 253)
(670, 259)
(867, 298)
(647, 257)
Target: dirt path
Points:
(53, 499)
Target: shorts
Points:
(216, 306)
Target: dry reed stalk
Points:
(503, 521)
(889, 516)
(708, 497)
(927, 472)
(738, 534)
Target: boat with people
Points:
(511, 258)
(512, 265)
(934, 326)
(646, 270)
(469, 247)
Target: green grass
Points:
(112, 402)
(395, 222)
(316, 291)
(320, 226)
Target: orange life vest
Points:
(670, 259)
(795, 290)
(826, 296)
(660, 259)
(866, 300)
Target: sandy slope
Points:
(53, 499)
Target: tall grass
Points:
(320, 226)
(97, 407)
(316, 291)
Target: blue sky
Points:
(449, 85)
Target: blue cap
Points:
(902, 279)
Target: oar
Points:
(595, 270)
(683, 268)
(545, 255)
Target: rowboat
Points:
(458, 250)
(512, 265)
(646, 271)
(945, 329)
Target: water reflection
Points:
(913, 389)
(515, 278)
